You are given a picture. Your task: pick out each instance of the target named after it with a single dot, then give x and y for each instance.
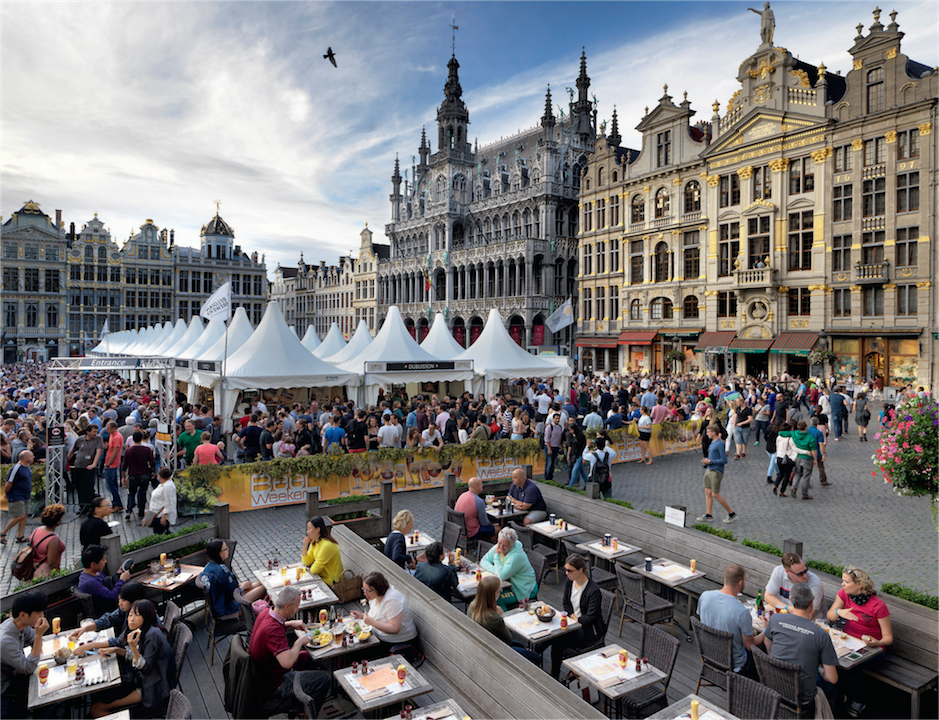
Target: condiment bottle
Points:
(563, 620)
(694, 565)
(623, 658)
(402, 674)
(694, 710)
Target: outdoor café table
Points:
(380, 687)
(601, 551)
(335, 649)
(682, 709)
(446, 710)
(306, 583)
(466, 579)
(673, 575)
(555, 534)
(415, 548)
(174, 584)
(601, 669)
(501, 514)
(534, 631)
(101, 672)
(119, 715)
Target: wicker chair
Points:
(662, 651)
(247, 611)
(601, 577)
(218, 628)
(607, 600)
(717, 654)
(87, 603)
(784, 678)
(639, 605)
(180, 645)
(550, 554)
(458, 518)
(483, 548)
(451, 536)
(539, 565)
(524, 534)
(179, 707)
(171, 617)
(750, 699)
(309, 706)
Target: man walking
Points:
(553, 432)
(714, 464)
(84, 458)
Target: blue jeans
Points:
(577, 472)
(772, 464)
(550, 459)
(836, 425)
(112, 476)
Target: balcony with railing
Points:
(874, 274)
(756, 277)
(662, 221)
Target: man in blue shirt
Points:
(334, 435)
(820, 440)
(525, 495)
(18, 487)
(720, 609)
(615, 421)
(837, 412)
(648, 399)
(713, 475)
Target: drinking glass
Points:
(72, 666)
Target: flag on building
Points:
(104, 329)
(561, 318)
(218, 307)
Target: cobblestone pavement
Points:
(858, 520)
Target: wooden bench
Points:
(905, 675)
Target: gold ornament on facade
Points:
(820, 156)
(676, 181)
(801, 77)
(906, 272)
(857, 145)
(733, 99)
(716, 106)
(646, 189)
(799, 323)
(858, 64)
(890, 286)
(925, 128)
(779, 165)
(714, 180)
(891, 136)
(891, 53)
(841, 277)
(764, 70)
(855, 288)
(728, 324)
(924, 284)
(745, 172)
(761, 94)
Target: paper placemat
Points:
(606, 549)
(531, 627)
(672, 572)
(94, 673)
(58, 679)
(702, 715)
(274, 579)
(606, 670)
(467, 581)
(380, 681)
(552, 530)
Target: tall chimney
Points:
(58, 218)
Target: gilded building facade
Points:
(793, 221)
(317, 295)
(365, 277)
(489, 226)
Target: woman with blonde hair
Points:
(396, 544)
(517, 433)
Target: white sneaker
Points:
(731, 518)
(705, 518)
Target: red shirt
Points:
(268, 640)
(868, 614)
(466, 504)
(115, 445)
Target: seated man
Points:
(526, 496)
(721, 610)
(508, 560)
(795, 638)
(24, 628)
(93, 581)
(784, 577)
(473, 508)
(276, 662)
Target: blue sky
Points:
(155, 110)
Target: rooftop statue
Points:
(767, 24)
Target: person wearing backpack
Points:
(601, 460)
(18, 487)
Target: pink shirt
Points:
(658, 413)
(466, 504)
(115, 445)
(868, 615)
(206, 454)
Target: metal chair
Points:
(179, 707)
(181, 641)
(171, 617)
(218, 628)
(750, 699)
(782, 677)
(717, 654)
(640, 605)
(87, 603)
(662, 651)
(247, 611)
(451, 536)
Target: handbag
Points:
(148, 519)
(349, 588)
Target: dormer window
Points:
(875, 90)
(663, 146)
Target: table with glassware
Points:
(613, 674)
(501, 511)
(538, 623)
(165, 578)
(344, 635)
(467, 582)
(73, 677)
(382, 686)
(313, 591)
(681, 710)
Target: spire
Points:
(397, 174)
(424, 150)
(582, 108)
(452, 116)
(547, 120)
(615, 138)
(452, 89)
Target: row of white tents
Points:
(272, 356)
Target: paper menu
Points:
(672, 571)
(274, 579)
(607, 668)
(382, 678)
(58, 679)
(702, 715)
(606, 548)
(530, 625)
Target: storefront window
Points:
(904, 362)
(847, 351)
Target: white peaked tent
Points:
(150, 337)
(332, 343)
(192, 334)
(394, 344)
(273, 357)
(114, 343)
(239, 331)
(361, 340)
(293, 329)
(311, 340)
(439, 342)
(144, 337)
(496, 356)
(178, 331)
(209, 336)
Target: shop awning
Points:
(637, 338)
(715, 340)
(680, 332)
(593, 342)
(747, 345)
(875, 332)
(794, 343)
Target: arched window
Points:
(102, 254)
(575, 180)
(875, 90)
(614, 176)
(661, 309)
(660, 264)
(52, 316)
(526, 222)
(634, 310)
(600, 177)
(89, 254)
(487, 229)
(637, 210)
(690, 307)
(692, 197)
(662, 203)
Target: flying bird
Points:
(331, 56)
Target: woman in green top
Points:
(507, 560)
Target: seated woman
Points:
(388, 614)
(321, 551)
(582, 601)
(221, 582)
(868, 619)
(508, 560)
(153, 666)
(434, 574)
(46, 544)
(95, 527)
(485, 610)
(396, 546)
(130, 593)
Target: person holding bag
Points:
(161, 513)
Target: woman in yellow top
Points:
(321, 552)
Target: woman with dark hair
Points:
(785, 459)
(151, 661)
(372, 427)
(47, 545)
(582, 602)
(770, 434)
(321, 552)
(434, 574)
(221, 582)
(388, 613)
(95, 527)
(130, 593)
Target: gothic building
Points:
(317, 295)
(489, 226)
(792, 222)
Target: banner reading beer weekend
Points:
(243, 491)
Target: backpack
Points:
(600, 473)
(24, 564)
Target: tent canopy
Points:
(439, 342)
(239, 331)
(332, 343)
(179, 330)
(311, 340)
(196, 329)
(361, 340)
(207, 339)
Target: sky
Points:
(158, 109)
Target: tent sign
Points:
(206, 365)
(182, 363)
(418, 366)
(108, 363)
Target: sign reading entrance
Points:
(108, 363)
